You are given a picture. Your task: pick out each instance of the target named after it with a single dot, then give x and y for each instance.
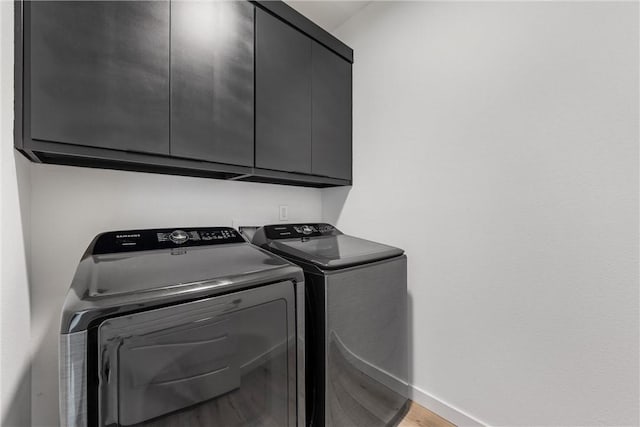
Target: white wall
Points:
(498, 144)
(14, 241)
(71, 205)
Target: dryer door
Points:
(227, 360)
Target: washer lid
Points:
(336, 251)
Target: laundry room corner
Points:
(76, 204)
(319, 213)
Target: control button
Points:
(307, 229)
(178, 237)
(325, 229)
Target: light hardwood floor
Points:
(419, 416)
(250, 405)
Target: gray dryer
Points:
(193, 326)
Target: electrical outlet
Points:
(284, 212)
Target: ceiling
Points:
(328, 14)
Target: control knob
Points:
(178, 237)
(307, 229)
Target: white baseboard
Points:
(446, 411)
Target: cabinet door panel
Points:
(283, 96)
(99, 73)
(212, 81)
(331, 109)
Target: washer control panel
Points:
(298, 231)
(146, 240)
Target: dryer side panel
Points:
(73, 379)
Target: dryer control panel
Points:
(298, 231)
(169, 238)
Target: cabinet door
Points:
(212, 81)
(283, 96)
(99, 73)
(331, 114)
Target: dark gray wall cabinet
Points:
(283, 96)
(212, 81)
(99, 74)
(331, 114)
(234, 90)
(303, 103)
